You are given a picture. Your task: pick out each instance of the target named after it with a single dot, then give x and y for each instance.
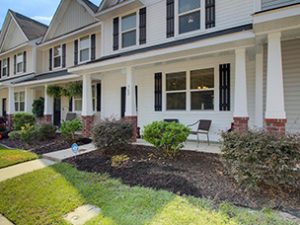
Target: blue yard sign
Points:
(75, 148)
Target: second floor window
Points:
(189, 12)
(129, 30)
(20, 101)
(57, 56)
(84, 49)
(4, 67)
(20, 63)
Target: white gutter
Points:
(70, 34)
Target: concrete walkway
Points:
(20, 169)
(4, 221)
(59, 156)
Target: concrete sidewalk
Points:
(4, 221)
(20, 169)
(59, 156)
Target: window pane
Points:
(5, 71)
(78, 104)
(189, 22)
(84, 55)
(57, 61)
(85, 42)
(129, 22)
(16, 97)
(57, 51)
(22, 106)
(176, 101)
(129, 39)
(176, 81)
(20, 58)
(202, 79)
(22, 96)
(20, 67)
(17, 107)
(5, 62)
(187, 5)
(202, 100)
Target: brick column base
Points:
(46, 119)
(275, 126)
(10, 123)
(240, 124)
(87, 125)
(132, 120)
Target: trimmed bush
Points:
(20, 119)
(28, 133)
(112, 133)
(38, 107)
(46, 131)
(69, 128)
(259, 160)
(14, 135)
(166, 137)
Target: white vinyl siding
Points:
(269, 4)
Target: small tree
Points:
(69, 128)
(166, 137)
(38, 107)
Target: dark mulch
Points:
(43, 147)
(190, 173)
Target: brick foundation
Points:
(87, 125)
(46, 119)
(133, 121)
(240, 124)
(10, 124)
(275, 126)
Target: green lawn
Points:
(44, 196)
(12, 157)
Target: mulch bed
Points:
(191, 173)
(43, 147)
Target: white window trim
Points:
(22, 70)
(202, 19)
(137, 28)
(188, 90)
(53, 57)
(19, 100)
(3, 76)
(90, 49)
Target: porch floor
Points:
(192, 146)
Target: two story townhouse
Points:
(147, 60)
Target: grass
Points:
(10, 157)
(44, 196)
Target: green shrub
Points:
(69, 128)
(166, 137)
(46, 131)
(20, 119)
(14, 135)
(28, 133)
(38, 107)
(119, 160)
(112, 133)
(258, 159)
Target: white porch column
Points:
(87, 99)
(28, 99)
(259, 70)
(87, 114)
(240, 113)
(10, 107)
(130, 93)
(48, 106)
(275, 117)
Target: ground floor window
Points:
(20, 101)
(77, 101)
(200, 91)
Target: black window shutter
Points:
(0, 69)
(136, 98)
(224, 86)
(71, 104)
(76, 52)
(158, 92)
(8, 66)
(50, 59)
(210, 13)
(15, 64)
(63, 55)
(143, 24)
(24, 61)
(170, 18)
(93, 47)
(98, 97)
(116, 34)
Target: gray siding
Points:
(269, 4)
